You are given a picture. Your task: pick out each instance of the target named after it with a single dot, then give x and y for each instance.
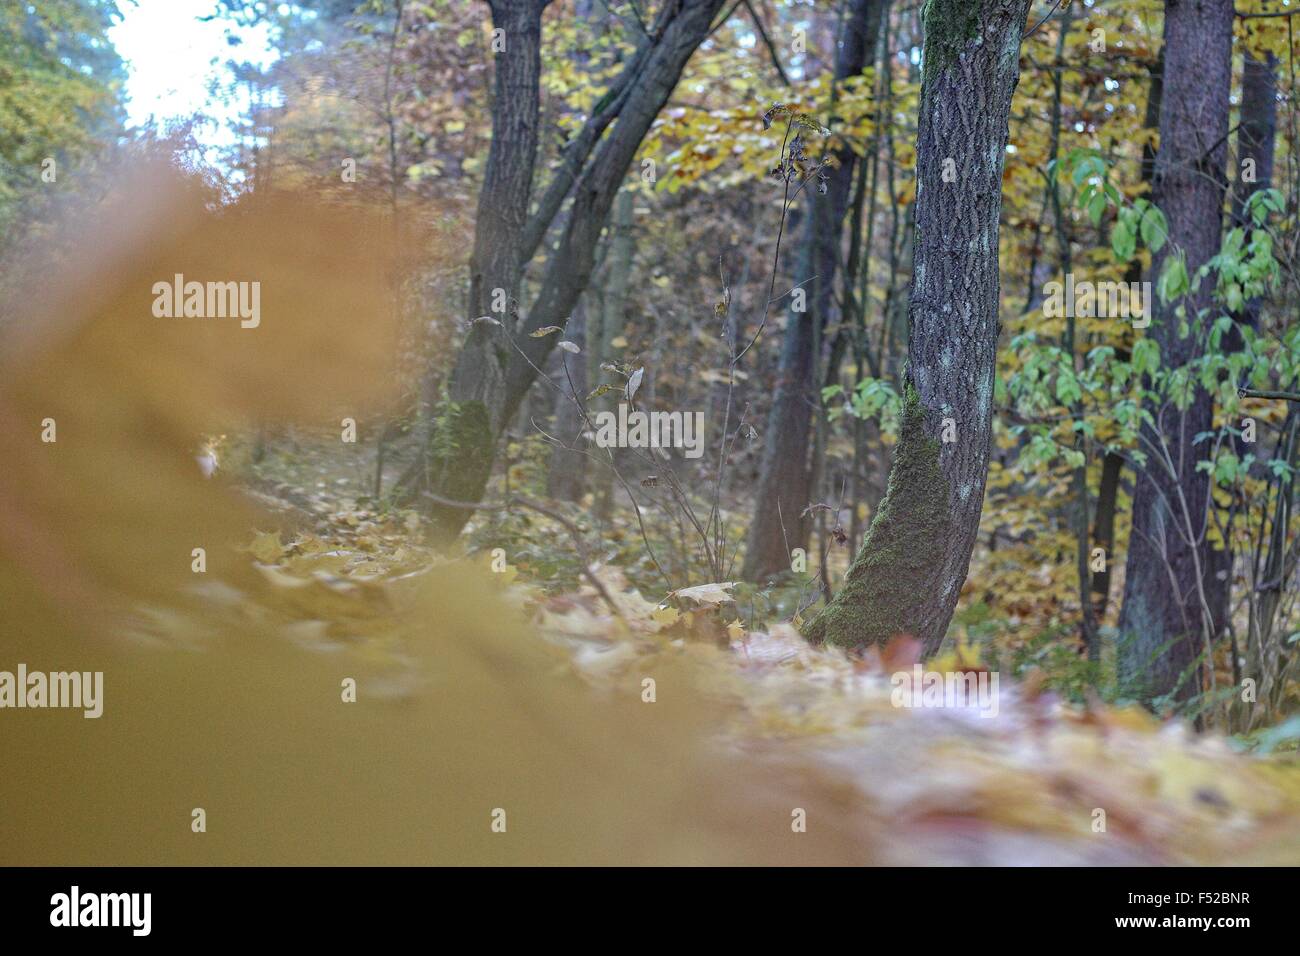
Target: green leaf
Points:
(1146, 356)
(1096, 207)
(1122, 240)
(1154, 228)
(1067, 387)
(1173, 280)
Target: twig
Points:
(1260, 16)
(1266, 393)
(1046, 17)
(767, 41)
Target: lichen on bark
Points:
(890, 580)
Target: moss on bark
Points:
(460, 462)
(949, 26)
(890, 580)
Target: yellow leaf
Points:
(267, 547)
(665, 617)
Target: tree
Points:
(907, 576)
(59, 103)
(1256, 135)
(566, 478)
(784, 478)
(1161, 614)
(1103, 529)
(500, 358)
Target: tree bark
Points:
(459, 443)
(497, 262)
(566, 476)
(618, 266)
(1256, 134)
(785, 476)
(1112, 466)
(908, 575)
(1160, 618)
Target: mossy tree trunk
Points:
(909, 572)
(1161, 617)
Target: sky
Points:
(172, 57)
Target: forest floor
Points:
(1023, 778)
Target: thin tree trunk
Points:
(1112, 466)
(618, 259)
(909, 573)
(1079, 476)
(566, 477)
(1160, 618)
(785, 476)
(1256, 134)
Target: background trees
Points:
(59, 107)
(491, 375)
(656, 184)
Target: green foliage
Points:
(59, 85)
(871, 399)
(1064, 668)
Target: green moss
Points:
(949, 26)
(460, 462)
(892, 577)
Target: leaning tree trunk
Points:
(498, 364)
(784, 484)
(1160, 618)
(907, 577)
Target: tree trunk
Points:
(1160, 618)
(566, 477)
(618, 265)
(497, 366)
(1256, 134)
(1112, 466)
(460, 444)
(784, 484)
(496, 264)
(908, 575)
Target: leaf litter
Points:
(476, 689)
